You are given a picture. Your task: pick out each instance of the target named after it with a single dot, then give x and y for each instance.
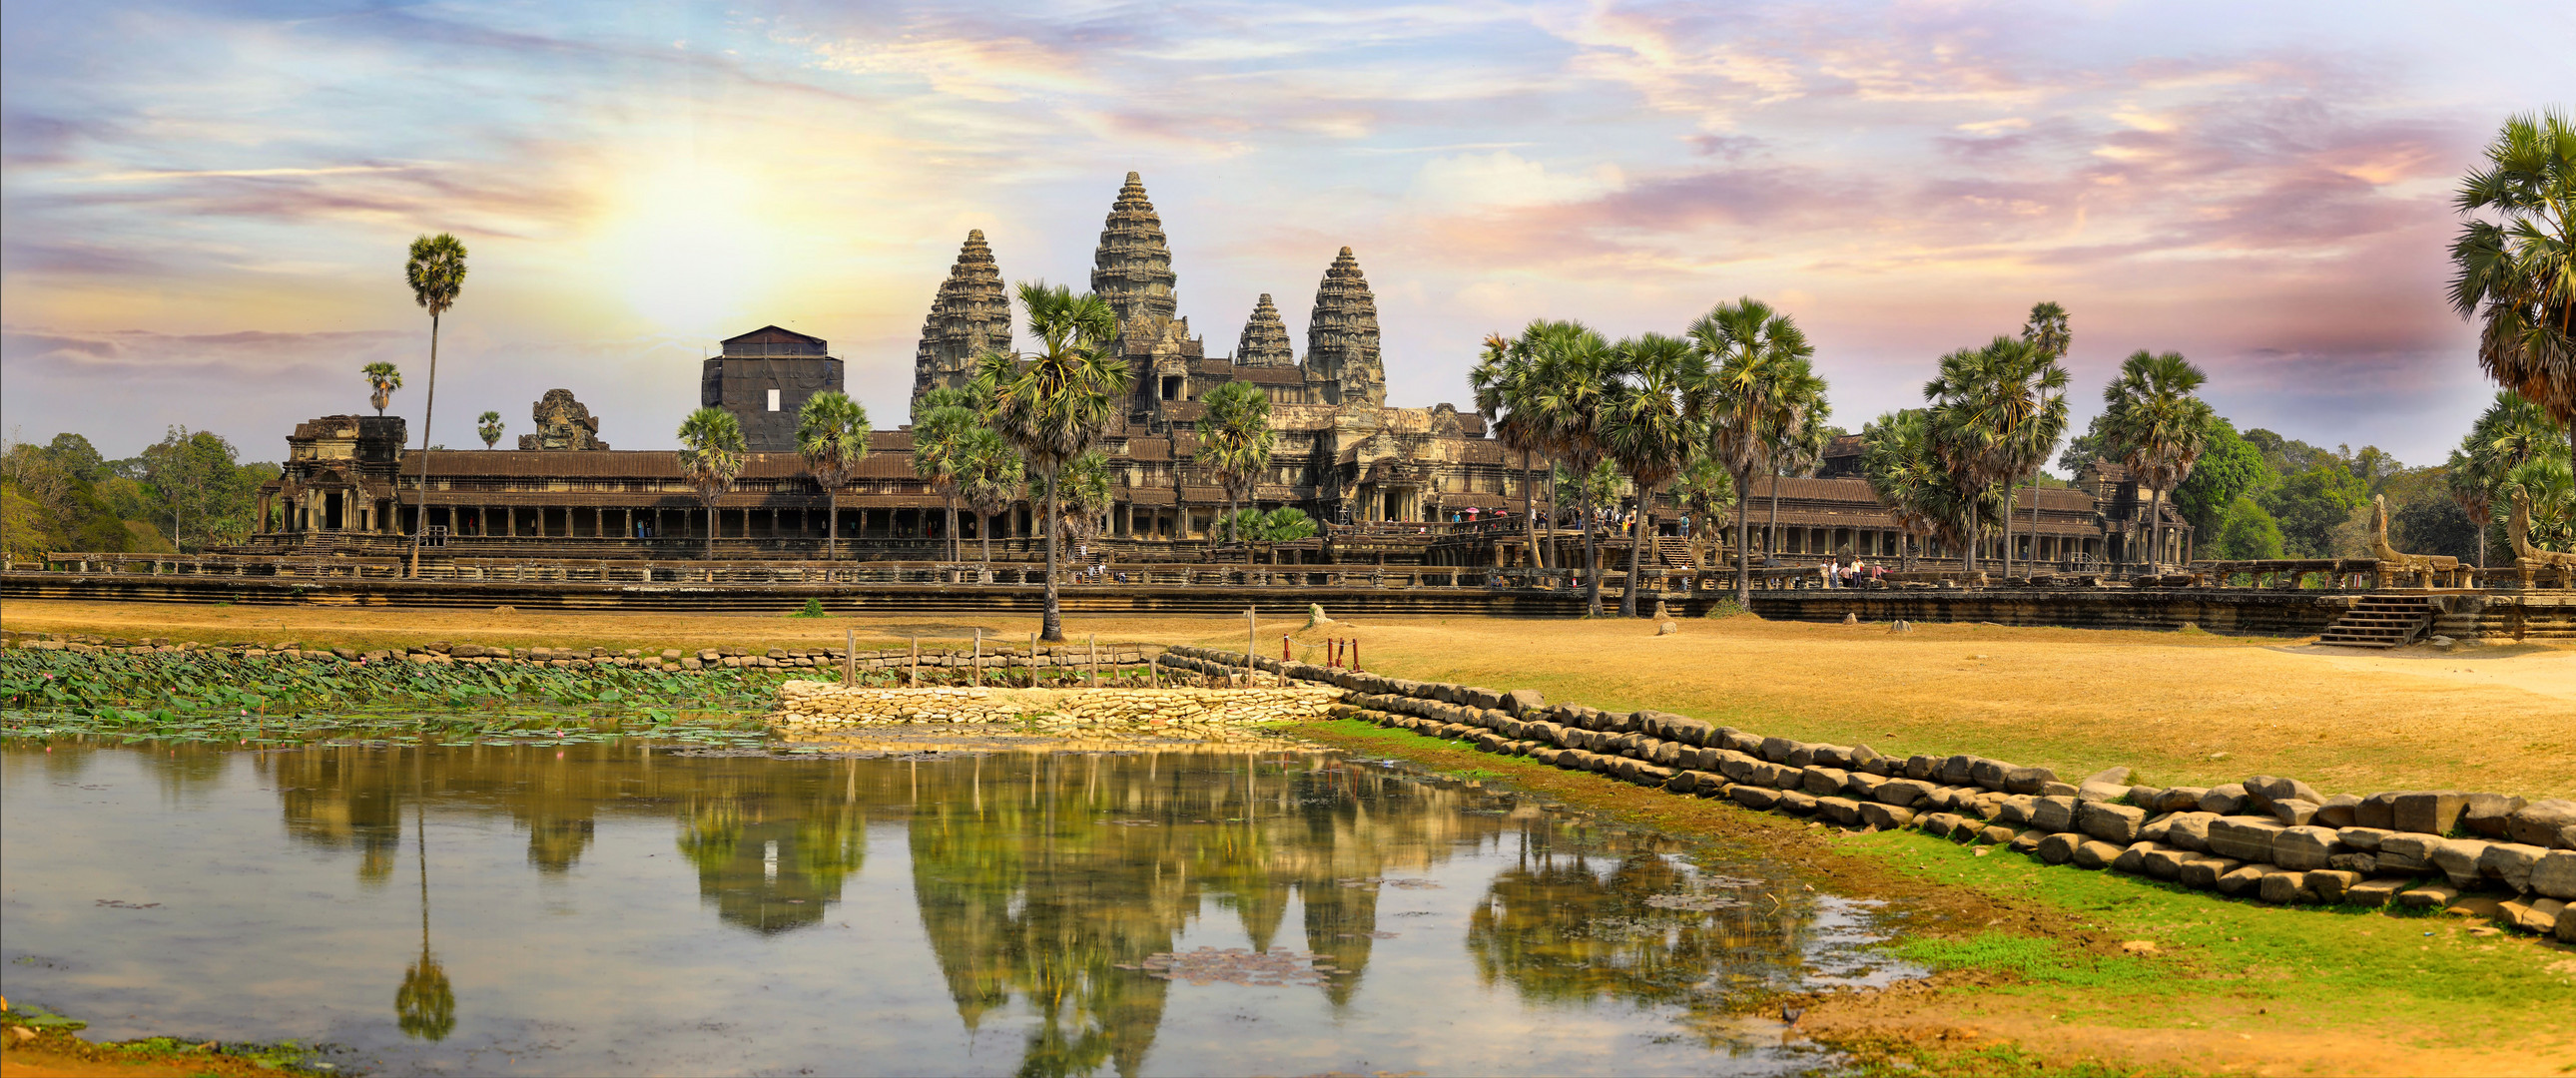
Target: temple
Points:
(1403, 485)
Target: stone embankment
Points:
(948, 664)
(2268, 838)
(816, 705)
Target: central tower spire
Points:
(1133, 267)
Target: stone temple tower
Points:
(1341, 338)
(1265, 338)
(970, 316)
(1133, 267)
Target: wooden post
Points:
(913, 678)
(1153, 677)
(849, 657)
(976, 664)
(1095, 660)
(1251, 641)
(1355, 654)
(1033, 660)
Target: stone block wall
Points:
(2267, 838)
(812, 704)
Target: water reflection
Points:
(1037, 885)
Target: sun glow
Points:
(690, 249)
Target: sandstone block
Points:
(1954, 769)
(2429, 896)
(2189, 830)
(1755, 797)
(2377, 891)
(2406, 851)
(2059, 848)
(2163, 863)
(2304, 848)
(2554, 874)
(2113, 776)
(2433, 812)
(1936, 823)
(1883, 816)
(1800, 803)
(1922, 768)
(2245, 838)
(2223, 800)
(2101, 791)
(2179, 798)
(2337, 811)
(2053, 814)
(2457, 858)
(2329, 885)
(2205, 872)
(2284, 888)
(2133, 860)
(2027, 841)
(2014, 811)
(2487, 815)
(2243, 880)
(1965, 831)
(2364, 863)
(1823, 781)
(1991, 835)
(2058, 789)
(2096, 854)
(2510, 863)
(2550, 823)
(2294, 813)
(1862, 786)
(2535, 915)
(2364, 839)
(2277, 790)
(2111, 823)
(1841, 810)
(1989, 773)
(2027, 780)
(1777, 749)
(2565, 932)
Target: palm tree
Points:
(1057, 404)
(1705, 490)
(1501, 380)
(945, 417)
(2519, 272)
(832, 436)
(1086, 498)
(2050, 331)
(1901, 458)
(1574, 381)
(488, 425)
(1996, 412)
(1285, 524)
(711, 451)
(382, 379)
(435, 270)
(1798, 449)
(1235, 441)
(989, 477)
(1647, 430)
(2513, 431)
(1753, 353)
(2156, 425)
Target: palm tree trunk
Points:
(1529, 479)
(1772, 540)
(1743, 541)
(1547, 553)
(428, 408)
(984, 531)
(832, 525)
(2008, 507)
(1054, 629)
(1591, 551)
(714, 520)
(1636, 540)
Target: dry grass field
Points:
(2181, 708)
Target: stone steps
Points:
(2380, 621)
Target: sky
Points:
(204, 207)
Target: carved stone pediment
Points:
(562, 423)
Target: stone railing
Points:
(2274, 839)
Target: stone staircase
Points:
(2381, 621)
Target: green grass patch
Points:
(2029, 957)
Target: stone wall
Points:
(2267, 838)
(951, 663)
(813, 704)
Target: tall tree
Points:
(1057, 403)
(1996, 413)
(207, 494)
(990, 477)
(1647, 429)
(1904, 470)
(711, 452)
(2049, 332)
(382, 379)
(2511, 432)
(1798, 448)
(832, 436)
(1705, 490)
(1235, 442)
(1501, 382)
(435, 270)
(940, 425)
(1575, 380)
(2157, 425)
(2517, 271)
(1757, 360)
(489, 426)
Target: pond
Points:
(633, 906)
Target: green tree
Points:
(990, 477)
(1235, 441)
(1501, 380)
(1755, 395)
(1286, 524)
(1972, 426)
(2229, 468)
(832, 436)
(2511, 432)
(2310, 503)
(78, 459)
(2517, 270)
(382, 379)
(712, 453)
(1647, 429)
(2048, 330)
(207, 494)
(2158, 426)
(1706, 492)
(1573, 382)
(1902, 461)
(489, 427)
(943, 418)
(1056, 404)
(1084, 506)
(2245, 531)
(435, 270)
